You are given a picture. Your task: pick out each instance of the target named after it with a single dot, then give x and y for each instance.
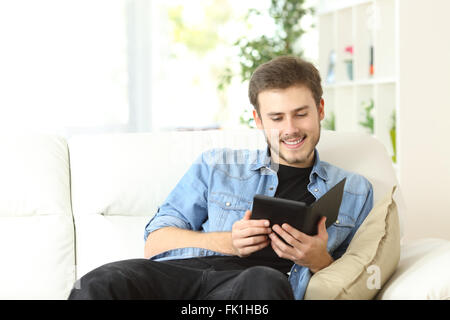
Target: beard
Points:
(300, 157)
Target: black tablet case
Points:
(299, 215)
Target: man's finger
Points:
(277, 250)
(280, 248)
(297, 234)
(247, 217)
(245, 224)
(248, 232)
(322, 229)
(255, 223)
(286, 248)
(250, 249)
(251, 241)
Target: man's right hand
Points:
(249, 235)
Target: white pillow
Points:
(423, 272)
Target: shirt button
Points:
(337, 221)
(228, 204)
(316, 190)
(295, 270)
(271, 188)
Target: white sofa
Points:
(67, 207)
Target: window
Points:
(192, 45)
(64, 65)
(89, 66)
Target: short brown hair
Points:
(284, 72)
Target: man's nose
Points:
(291, 128)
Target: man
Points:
(203, 244)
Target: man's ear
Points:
(257, 119)
(321, 109)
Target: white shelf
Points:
(368, 26)
(360, 83)
(328, 6)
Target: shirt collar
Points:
(263, 159)
(318, 168)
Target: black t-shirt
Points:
(292, 185)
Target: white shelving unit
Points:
(411, 76)
(369, 27)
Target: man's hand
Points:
(248, 235)
(304, 250)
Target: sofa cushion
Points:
(36, 226)
(119, 180)
(423, 272)
(369, 261)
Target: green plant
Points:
(287, 16)
(202, 37)
(368, 121)
(329, 123)
(392, 133)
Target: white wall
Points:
(424, 119)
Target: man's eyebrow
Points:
(293, 111)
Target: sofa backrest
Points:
(113, 184)
(36, 225)
(119, 180)
(363, 154)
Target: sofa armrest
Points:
(422, 273)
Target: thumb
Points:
(247, 215)
(322, 226)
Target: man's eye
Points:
(298, 115)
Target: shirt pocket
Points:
(340, 230)
(225, 209)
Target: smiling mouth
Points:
(294, 144)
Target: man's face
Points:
(295, 119)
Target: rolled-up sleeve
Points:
(186, 205)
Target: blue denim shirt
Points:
(219, 187)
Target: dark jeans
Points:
(203, 278)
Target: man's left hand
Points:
(304, 250)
